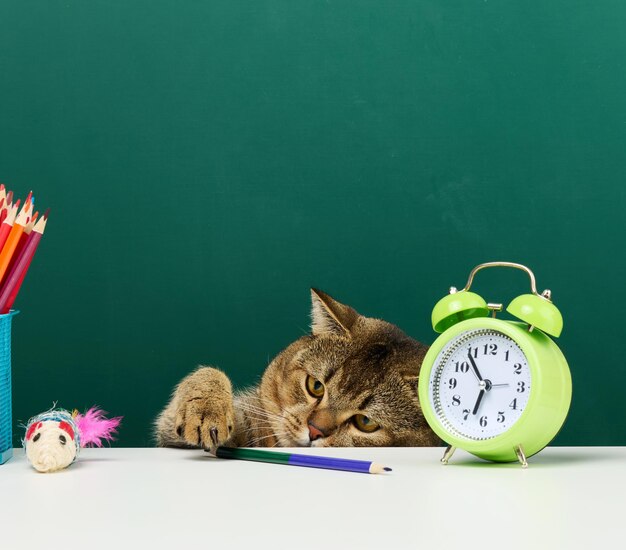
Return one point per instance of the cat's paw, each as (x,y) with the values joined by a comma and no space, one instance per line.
(205,416)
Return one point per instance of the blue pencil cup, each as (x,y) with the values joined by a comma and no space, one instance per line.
(6,418)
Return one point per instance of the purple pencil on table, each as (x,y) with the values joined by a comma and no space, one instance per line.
(308,461)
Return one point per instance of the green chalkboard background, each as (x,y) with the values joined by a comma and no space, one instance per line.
(207,162)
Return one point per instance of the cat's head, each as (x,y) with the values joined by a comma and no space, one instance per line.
(352,382)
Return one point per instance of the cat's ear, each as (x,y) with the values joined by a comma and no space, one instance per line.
(329,316)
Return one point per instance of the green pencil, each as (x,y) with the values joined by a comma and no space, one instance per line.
(293,459)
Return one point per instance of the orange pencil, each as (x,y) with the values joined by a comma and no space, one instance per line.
(23,239)
(13,239)
(16,276)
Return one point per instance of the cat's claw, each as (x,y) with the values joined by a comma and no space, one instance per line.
(213,433)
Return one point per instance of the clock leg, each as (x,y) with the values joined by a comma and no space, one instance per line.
(519,451)
(447,454)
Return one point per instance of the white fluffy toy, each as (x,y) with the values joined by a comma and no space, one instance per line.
(54,438)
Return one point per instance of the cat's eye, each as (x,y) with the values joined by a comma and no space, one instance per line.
(364,423)
(62,439)
(314,387)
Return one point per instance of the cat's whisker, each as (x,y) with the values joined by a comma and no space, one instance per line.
(258,428)
(260,413)
(286,443)
(293,416)
(255,414)
(254,408)
(248,405)
(258,407)
(295,427)
(262,421)
(258,418)
(257,440)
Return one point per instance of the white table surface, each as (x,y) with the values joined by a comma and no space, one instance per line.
(569,497)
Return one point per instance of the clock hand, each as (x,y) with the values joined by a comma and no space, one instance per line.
(498,385)
(474,367)
(480,398)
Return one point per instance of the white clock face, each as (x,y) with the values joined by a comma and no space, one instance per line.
(480,384)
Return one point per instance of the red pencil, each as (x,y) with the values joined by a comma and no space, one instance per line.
(6,207)
(16,276)
(7,224)
(23,240)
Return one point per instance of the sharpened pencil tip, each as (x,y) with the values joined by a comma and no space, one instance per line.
(387,469)
(45,216)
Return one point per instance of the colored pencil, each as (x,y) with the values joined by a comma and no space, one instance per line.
(7,207)
(308,461)
(13,239)
(17,274)
(17,287)
(3,202)
(7,225)
(23,240)
(20,234)
(28,203)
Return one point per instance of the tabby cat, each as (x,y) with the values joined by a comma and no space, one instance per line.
(351,382)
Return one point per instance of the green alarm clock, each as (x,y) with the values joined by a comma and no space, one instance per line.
(499,389)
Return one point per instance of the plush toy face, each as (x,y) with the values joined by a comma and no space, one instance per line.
(50,445)
(53,438)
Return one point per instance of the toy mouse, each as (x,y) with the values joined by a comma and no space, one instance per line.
(54,438)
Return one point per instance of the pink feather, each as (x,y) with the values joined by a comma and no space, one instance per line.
(95,427)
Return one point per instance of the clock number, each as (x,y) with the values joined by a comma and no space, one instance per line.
(517,368)
(456,400)
(521,387)
(452,383)
(513,404)
(461,367)
(506,355)
(483,421)
(500,417)
(490,349)
(465,413)
(474,351)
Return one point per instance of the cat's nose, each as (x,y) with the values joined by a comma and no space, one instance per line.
(314,432)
